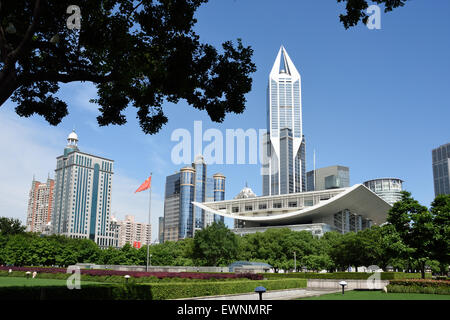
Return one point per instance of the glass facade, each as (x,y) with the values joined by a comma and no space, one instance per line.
(172,207)
(387,189)
(219,193)
(187,193)
(441,169)
(200,191)
(181,217)
(331,177)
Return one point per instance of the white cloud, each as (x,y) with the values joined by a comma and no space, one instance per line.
(26,151)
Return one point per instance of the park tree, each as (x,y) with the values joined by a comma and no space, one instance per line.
(440,211)
(317,262)
(272,246)
(139,53)
(169,253)
(414,224)
(347,251)
(215,245)
(11,226)
(356,10)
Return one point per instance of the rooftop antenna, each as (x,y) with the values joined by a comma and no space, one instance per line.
(314,164)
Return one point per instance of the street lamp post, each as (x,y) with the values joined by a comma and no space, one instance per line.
(343,284)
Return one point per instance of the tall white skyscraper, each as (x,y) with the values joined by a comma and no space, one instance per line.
(285,169)
(82,195)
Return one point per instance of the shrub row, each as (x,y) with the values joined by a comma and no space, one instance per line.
(138,274)
(419,286)
(341,275)
(422,283)
(164,291)
(157,291)
(417,289)
(87,292)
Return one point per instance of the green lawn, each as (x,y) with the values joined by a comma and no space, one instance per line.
(19,281)
(378,295)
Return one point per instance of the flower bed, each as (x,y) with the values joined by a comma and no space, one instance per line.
(138,274)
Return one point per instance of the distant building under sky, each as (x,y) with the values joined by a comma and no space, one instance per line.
(40,202)
(137,234)
(387,189)
(331,177)
(82,196)
(441,169)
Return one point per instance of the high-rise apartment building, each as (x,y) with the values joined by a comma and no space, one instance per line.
(284,170)
(331,177)
(40,202)
(441,169)
(137,234)
(82,195)
(181,218)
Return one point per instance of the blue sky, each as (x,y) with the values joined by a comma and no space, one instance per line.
(376,101)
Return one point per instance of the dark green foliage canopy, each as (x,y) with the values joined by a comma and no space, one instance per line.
(356,10)
(215,245)
(423,232)
(11,226)
(137,53)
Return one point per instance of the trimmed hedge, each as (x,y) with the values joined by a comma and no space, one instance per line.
(419,286)
(164,291)
(156,291)
(341,275)
(87,292)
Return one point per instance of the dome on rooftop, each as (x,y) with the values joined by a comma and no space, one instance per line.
(72,136)
(246,193)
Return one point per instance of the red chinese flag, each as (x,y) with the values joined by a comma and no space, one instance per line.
(137,244)
(145,185)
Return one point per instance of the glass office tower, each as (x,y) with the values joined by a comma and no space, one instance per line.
(284,169)
(219,192)
(181,218)
(172,207)
(441,169)
(200,190)
(187,193)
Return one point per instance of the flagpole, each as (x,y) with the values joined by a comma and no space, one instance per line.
(149,219)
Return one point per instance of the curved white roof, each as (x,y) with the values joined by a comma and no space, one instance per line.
(357,199)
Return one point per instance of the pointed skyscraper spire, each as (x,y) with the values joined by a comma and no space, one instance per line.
(284,67)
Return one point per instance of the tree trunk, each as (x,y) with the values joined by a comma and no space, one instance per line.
(8,86)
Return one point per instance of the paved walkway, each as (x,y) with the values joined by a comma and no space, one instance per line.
(271,295)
